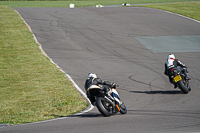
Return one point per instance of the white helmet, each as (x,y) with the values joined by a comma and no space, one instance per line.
(92,75)
(170,56)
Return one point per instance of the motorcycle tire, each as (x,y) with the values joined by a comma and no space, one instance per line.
(103,109)
(123,109)
(183,88)
(189,88)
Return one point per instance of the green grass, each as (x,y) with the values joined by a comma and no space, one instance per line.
(31,87)
(78,3)
(189,9)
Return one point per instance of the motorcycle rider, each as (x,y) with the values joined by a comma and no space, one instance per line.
(171,63)
(94,80)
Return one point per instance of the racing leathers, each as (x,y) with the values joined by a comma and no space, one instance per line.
(173,63)
(97,81)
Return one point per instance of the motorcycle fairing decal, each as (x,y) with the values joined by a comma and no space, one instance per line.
(118,107)
(115,93)
(172,70)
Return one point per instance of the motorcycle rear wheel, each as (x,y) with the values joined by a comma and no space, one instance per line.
(183,88)
(101,104)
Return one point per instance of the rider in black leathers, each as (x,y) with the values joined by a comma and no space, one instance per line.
(93,80)
(172,63)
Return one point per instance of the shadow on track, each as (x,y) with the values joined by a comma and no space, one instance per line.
(89,115)
(158,92)
(93,115)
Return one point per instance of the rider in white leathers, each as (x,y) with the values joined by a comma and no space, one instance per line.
(171,63)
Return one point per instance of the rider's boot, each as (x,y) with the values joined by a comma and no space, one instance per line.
(188,78)
(175,86)
(94,103)
(186,74)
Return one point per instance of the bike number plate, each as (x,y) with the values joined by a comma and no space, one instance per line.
(177,78)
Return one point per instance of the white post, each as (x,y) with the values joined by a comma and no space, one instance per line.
(71,5)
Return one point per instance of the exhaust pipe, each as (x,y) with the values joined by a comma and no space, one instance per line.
(110,101)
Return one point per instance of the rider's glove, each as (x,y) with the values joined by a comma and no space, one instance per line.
(184,66)
(113,85)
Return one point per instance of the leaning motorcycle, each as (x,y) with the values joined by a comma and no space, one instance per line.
(180,79)
(107,104)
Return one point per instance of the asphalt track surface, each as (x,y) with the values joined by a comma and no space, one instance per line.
(110,42)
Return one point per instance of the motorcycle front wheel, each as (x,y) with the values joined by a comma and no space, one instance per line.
(103,107)
(123,109)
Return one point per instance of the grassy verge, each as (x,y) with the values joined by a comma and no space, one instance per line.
(31,87)
(189,9)
(79,3)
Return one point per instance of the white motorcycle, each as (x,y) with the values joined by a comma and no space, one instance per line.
(107,104)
